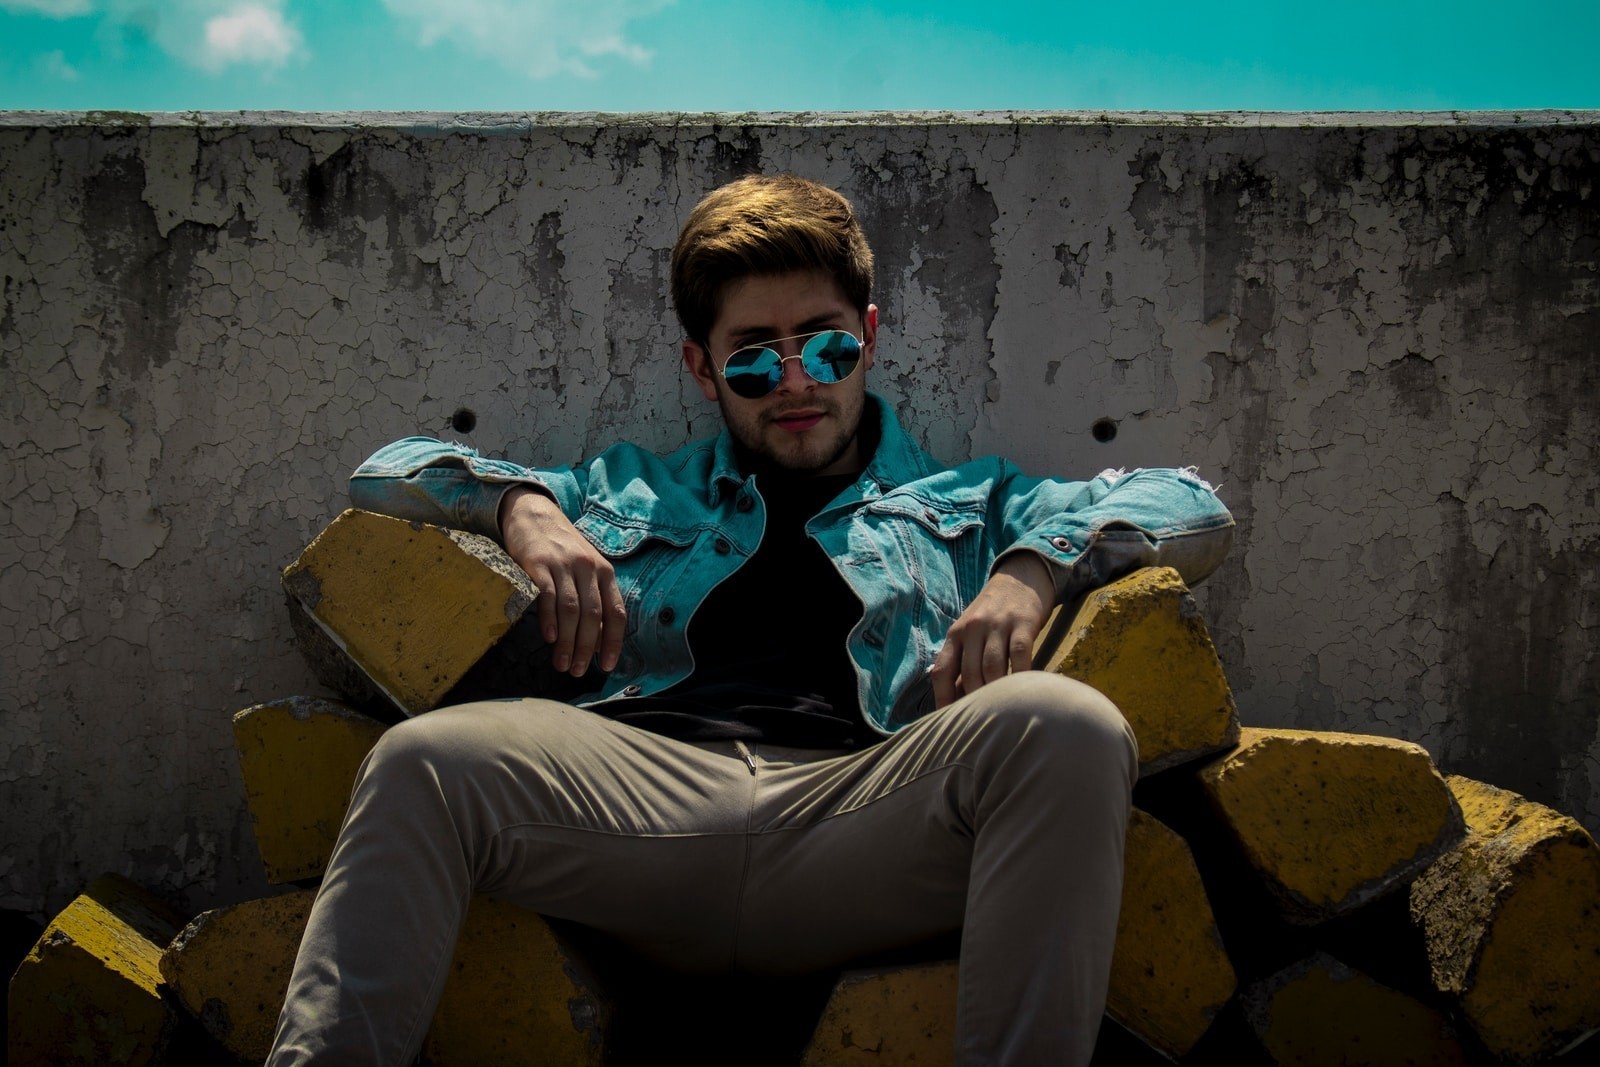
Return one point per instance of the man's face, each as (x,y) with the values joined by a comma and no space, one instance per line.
(802,425)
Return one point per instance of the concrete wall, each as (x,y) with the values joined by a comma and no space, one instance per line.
(1377,333)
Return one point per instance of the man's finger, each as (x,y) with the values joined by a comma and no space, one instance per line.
(591,617)
(568,608)
(545,602)
(943,673)
(614,623)
(1022,649)
(972,676)
(996,658)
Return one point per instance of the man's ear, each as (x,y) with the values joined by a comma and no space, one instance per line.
(869,335)
(698,360)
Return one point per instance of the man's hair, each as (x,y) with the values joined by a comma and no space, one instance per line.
(765,225)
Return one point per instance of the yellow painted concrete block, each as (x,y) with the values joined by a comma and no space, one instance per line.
(1170,974)
(1331,821)
(516,994)
(1512,922)
(1140,641)
(888,1017)
(1321,1012)
(299,759)
(88,991)
(412,606)
(230,968)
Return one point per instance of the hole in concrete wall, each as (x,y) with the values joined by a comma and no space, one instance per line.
(1104,429)
(463,420)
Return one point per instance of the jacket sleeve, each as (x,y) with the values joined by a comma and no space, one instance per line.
(423,480)
(1091,533)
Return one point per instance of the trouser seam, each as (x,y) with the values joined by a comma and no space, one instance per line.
(744,872)
(417,1033)
(616,833)
(880,798)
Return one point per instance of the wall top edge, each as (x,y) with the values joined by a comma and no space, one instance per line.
(485,122)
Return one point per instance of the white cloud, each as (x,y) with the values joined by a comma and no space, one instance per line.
(55,65)
(536,37)
(56,9)
(211,34)
(250,33)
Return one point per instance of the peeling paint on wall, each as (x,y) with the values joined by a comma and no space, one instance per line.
(1378,338)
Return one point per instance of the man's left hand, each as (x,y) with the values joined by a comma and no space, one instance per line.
(995,635)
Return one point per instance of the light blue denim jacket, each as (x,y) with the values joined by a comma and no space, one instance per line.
(914,540)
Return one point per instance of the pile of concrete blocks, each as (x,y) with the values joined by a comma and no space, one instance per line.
(1289,896)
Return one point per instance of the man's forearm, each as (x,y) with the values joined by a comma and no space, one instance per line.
(422,480)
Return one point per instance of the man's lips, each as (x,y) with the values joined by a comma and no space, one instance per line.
(798,421)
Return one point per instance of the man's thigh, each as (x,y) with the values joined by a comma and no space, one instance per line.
(873,851)
(575,816)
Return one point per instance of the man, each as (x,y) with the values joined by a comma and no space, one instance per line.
(811,734)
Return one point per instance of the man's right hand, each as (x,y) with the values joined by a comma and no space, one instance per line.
(580,606)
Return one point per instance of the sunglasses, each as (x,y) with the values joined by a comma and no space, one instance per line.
(828,357)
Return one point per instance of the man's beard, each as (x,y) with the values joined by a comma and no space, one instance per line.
(756,454)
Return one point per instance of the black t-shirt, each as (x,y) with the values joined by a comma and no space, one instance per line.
(770,662)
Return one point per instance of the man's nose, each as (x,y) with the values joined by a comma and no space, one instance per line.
(794,379)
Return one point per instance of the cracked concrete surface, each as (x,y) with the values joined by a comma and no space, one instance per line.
(1376,333)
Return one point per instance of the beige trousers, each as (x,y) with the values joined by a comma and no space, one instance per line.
(1002,816)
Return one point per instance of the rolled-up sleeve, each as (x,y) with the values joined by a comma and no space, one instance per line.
(1090,533)
(420,479)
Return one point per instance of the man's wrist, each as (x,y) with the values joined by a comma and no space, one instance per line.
(513,497)
(1033,570)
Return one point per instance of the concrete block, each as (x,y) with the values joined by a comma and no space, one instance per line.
(411,607)
(1511,918)
(299,759)
(515,994)
(1140,641)
(1331,821)
(1319,1011)
(230,968)
(1170,974)
(888,1017)
(88,992)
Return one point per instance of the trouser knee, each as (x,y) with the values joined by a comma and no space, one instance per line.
(1053,718)
(466,751)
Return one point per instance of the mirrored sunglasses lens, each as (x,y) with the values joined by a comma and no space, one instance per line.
(753,372)
(831,357)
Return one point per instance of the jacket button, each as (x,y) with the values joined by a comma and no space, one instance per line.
(632,691)
(722,546)
(1062,543)
(666,616)
(745,503)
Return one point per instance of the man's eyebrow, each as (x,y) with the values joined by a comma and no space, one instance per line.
(815,324)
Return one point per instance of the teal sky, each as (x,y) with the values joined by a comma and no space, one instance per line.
(738,55)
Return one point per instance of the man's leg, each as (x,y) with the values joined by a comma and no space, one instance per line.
(1005,812)
(535,802)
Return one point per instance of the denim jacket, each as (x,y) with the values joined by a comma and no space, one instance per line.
(914,539)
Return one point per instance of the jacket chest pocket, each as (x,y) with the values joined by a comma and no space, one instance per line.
(637,556)
(941,552)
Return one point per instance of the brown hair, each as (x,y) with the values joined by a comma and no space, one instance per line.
(765,225)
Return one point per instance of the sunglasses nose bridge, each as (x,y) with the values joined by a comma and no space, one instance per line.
(792,372)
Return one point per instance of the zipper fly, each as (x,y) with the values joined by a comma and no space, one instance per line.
(744,753)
